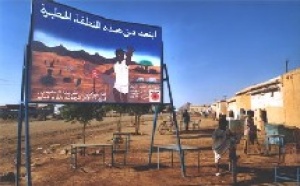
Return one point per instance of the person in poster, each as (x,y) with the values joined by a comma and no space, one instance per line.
(121,70)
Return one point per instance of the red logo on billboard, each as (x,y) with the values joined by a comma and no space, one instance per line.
(154,95)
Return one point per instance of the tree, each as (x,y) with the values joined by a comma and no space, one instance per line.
(138,111)
(146,64)
(82,113)
(160,108)
(119,109)
(169,108)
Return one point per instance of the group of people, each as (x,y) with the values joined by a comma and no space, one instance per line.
(224,140)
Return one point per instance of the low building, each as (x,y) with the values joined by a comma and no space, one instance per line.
(291,97)
(221,108)
(232,109)
(275,101)
(199,108)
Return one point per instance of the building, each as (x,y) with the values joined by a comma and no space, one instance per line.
(221,108)
(199,108)
(232,109)
(291,97)
(276,101)
(11,111)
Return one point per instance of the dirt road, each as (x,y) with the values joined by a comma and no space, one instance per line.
(51,166)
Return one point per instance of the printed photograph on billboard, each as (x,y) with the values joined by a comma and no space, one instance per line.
(80,57)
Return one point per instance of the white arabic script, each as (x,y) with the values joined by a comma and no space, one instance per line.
(84,20)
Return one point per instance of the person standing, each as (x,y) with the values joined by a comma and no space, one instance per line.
(121,86)
(250,134)
(121,70)
(186,119)
(223,141)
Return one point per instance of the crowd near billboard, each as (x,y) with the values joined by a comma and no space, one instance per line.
(80,57)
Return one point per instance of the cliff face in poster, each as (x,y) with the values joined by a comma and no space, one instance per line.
(60,75)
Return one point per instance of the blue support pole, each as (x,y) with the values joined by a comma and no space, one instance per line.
(20,122)
(27,134)
(175,122)
(19,143)
(153,133)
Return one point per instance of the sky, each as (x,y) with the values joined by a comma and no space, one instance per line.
(212,49)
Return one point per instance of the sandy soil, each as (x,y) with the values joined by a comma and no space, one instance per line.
(51,166)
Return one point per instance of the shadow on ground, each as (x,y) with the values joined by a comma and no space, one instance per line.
(152,166)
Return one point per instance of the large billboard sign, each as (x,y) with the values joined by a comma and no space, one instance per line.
(81,57)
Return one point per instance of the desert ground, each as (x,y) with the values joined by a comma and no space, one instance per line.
(50,156)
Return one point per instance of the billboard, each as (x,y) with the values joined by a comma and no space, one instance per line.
(80,57)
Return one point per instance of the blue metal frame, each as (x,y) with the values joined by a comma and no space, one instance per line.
(20,122)
(181,154)
(26,118)
(153,133)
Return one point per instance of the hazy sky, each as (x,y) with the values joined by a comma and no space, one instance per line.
(212,49)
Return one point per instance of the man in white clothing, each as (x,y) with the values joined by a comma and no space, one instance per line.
(122,80)
(121,69)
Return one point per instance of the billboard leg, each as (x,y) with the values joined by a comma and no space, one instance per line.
(27,135)
(152,135)
(20,122)
(181,155)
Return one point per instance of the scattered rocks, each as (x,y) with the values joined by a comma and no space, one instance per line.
(34,165)
(87,170)
(47,151)
(53,147)
(64,151)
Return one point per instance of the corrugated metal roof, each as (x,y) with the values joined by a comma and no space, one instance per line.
(263,85)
